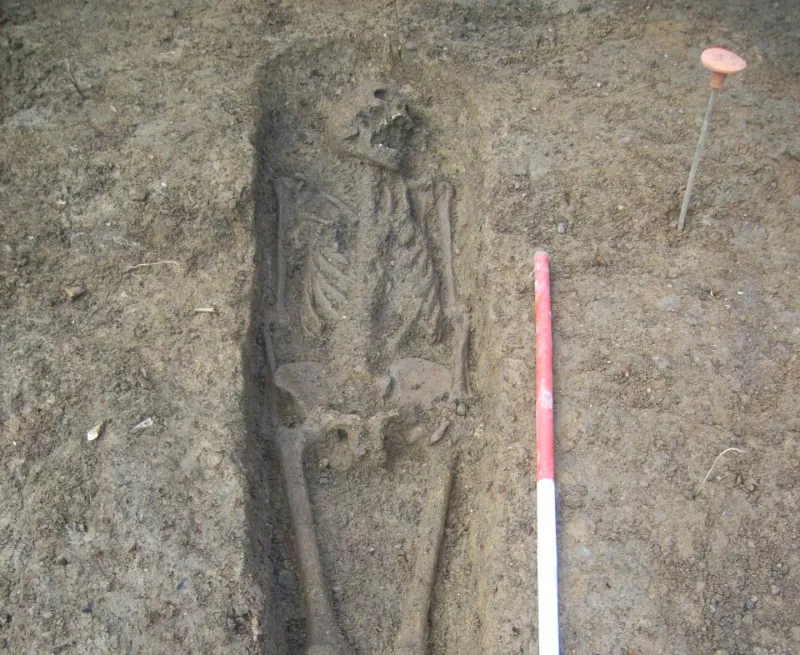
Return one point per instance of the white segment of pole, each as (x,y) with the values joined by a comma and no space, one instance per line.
(547,566)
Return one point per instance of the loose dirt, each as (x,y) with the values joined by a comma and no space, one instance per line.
(225,218)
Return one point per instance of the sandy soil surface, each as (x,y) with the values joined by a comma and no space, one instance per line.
(223,239)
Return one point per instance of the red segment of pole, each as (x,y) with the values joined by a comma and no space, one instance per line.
(545,465)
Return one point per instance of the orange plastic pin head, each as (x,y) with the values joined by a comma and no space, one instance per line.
(722,63)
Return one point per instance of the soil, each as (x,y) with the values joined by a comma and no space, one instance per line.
(143,150)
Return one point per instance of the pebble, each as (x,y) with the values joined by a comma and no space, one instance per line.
(439,433)
(74,292)
(96,431)
(138,194)
(562,228)
(324,463)
(143,425)
(461,409)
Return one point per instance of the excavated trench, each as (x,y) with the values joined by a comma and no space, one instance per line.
(365,349)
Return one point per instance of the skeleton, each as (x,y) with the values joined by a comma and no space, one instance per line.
(344,276)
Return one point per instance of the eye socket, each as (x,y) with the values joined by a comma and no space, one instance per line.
(380,94)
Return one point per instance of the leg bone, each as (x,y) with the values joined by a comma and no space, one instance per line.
(324,635)
(457,313)
(444,206)
(412,638)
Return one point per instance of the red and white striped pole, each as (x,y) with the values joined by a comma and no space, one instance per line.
(546,554)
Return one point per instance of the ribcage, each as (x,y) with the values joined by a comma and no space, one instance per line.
(413,285)
(324,289)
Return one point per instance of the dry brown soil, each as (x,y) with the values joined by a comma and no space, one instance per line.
(153,132)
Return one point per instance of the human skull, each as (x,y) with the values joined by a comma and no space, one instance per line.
(373,126)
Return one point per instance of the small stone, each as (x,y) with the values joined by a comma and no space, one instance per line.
(324,463)
(143,425)
(74,292)
(562,228)
(439,433)
(461,409)
(138,194)
(775,590)
(96,431)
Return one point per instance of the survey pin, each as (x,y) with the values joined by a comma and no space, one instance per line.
(721,63)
